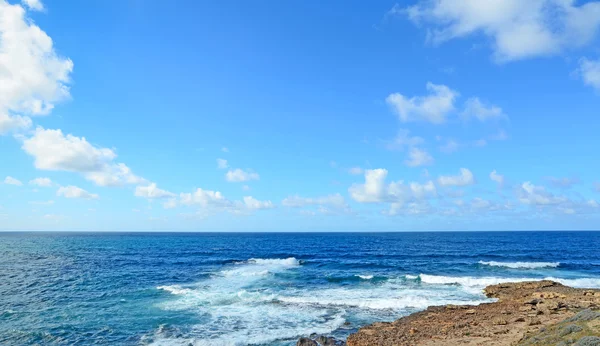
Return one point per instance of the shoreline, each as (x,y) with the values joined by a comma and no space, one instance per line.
(526,313)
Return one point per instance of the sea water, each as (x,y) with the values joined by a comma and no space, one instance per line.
(259,288)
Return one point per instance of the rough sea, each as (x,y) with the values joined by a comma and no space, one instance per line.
(259,288)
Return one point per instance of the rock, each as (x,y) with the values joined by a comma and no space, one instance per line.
(588,341)
(500,322)
(306,342)
(520,319)
(534,321)
(533,302)
(470,312)
(327,341)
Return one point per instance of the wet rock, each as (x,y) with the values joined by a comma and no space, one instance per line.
(306,342)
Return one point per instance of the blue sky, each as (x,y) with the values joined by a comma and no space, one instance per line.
(299,115)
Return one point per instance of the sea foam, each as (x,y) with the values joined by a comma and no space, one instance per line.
(521,265)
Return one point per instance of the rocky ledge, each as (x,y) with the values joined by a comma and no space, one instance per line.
(526,313)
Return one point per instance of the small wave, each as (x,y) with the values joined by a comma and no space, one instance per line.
(364,277)
(288,262)
(521,265)
(411,277)
(175,289)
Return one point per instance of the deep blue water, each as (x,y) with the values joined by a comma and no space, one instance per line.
(259,289)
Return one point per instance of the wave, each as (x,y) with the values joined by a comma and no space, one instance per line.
(364,277)
(476,284)
(521,265)
(286,262)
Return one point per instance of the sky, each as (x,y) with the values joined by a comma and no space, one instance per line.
(299,115)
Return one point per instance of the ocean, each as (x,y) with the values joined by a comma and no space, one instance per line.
(259,288)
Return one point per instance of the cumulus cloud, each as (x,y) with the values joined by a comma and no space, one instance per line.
(376,190)
(450,146)
(518,29)
(537,195)
(54,151)
(498,178)
(433,108)
(589,70)
(474,108)
(222,164)
(238,175)
(12,181)
(418,157)
(463,179)
(204,198)
(33,78)
(75,192)
(152,192)
(41,182)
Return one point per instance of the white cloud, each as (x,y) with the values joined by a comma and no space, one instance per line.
(204,198)
(12,181)
(238,175)
(54,151)
(152,192)
(32,76)
(589,70)
(225,149)
(34,5)
(418,157)
(374,188)
(474,108)
(253,204)
(537,195)
(404,140)
(42,182)
(75,192)
(463,179)
(222,164)
(433,108)
(356,171)
(498,178)
(115,175)
(519,29)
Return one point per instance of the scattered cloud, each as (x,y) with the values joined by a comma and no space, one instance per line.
(404,140)
(335,200)
(204,198)
(33,76)
(253,204)
(41,182)
(433,108)
(537,195)
(225,149)
(222,164)
(463,179)
(498,178)
(418,157)
(518,29)
(589,70)
(450,146)
(75,192)
(474,108)
(34,5)
(152,192)
(12,181)
(237,175)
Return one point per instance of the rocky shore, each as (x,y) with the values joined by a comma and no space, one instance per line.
(526,313)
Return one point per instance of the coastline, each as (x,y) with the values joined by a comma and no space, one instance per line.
(526,313)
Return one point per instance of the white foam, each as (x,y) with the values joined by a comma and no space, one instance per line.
(286,262)
(476,284)
(174,289)
(521,265)
(365,277)
(411,277)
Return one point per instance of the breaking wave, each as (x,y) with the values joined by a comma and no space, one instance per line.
(521,265)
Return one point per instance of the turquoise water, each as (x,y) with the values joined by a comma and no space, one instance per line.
(258,289)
